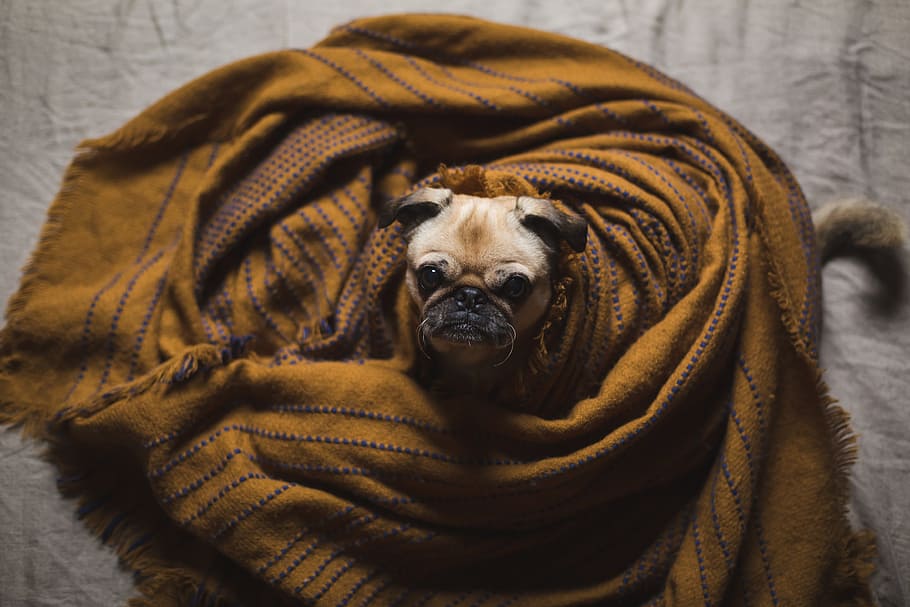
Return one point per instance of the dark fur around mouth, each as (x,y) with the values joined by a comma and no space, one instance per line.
(486,326)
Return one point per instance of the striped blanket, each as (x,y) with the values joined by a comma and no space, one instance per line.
(217,345)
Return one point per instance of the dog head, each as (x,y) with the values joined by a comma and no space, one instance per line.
(480,269)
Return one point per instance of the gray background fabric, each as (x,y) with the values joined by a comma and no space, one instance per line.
(825,83)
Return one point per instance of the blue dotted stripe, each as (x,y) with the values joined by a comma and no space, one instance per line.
(612,115)
(399,600)
(426,598)
(111,343)
(362,211)
(376,278)
(314,230)
(290,291)
(762,542)
(766,561)
(225,308)
(702,570)
(356,81)
(143,327)
(290,355)
(483,598)
(482,100)
(198,483)
(275,298)
(257,304)
(355,224)
(808,315)
(222,493)
(399,81)
(458,600)
(298,537)
(756,396)
(346,599)
(693,151)
(168,196)
(653,108)
(535,99)
(87,332)
(715,522)
(659,238)
(375,593)
(304,270)
(305,264)
(252,509)
(734,492)
(593,278)
(359,542)
(746,443)
(327,586)
(700,193)
(218,312)
(311,548)
(350,314)
(453,60)
(208,318)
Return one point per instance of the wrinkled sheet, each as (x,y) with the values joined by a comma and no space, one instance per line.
(827,84)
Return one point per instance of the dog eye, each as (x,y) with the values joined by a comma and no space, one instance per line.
(429,278)
(516,287)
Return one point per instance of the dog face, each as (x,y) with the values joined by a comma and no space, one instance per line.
(480,269)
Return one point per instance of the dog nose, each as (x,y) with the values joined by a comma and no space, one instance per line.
(469,298)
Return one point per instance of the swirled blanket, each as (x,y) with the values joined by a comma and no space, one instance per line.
(216,342)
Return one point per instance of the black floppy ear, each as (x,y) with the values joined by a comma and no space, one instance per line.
(415,208)
(544,219)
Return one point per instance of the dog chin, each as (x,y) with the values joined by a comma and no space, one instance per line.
(469,343)
(465,354)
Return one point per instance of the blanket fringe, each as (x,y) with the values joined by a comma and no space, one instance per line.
(197,360)
(850,579)
(858,553)
(138,135)
(135,540)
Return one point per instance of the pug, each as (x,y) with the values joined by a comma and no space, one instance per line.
(480,272)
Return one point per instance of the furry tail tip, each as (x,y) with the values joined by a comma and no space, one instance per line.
(854,225)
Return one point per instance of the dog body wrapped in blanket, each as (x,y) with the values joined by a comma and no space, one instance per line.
(222,353)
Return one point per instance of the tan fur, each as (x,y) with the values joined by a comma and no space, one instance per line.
(846,226)
(480,242)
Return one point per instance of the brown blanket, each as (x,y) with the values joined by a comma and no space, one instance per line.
(217,344)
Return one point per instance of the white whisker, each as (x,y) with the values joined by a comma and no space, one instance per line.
(421,337)
(513,335)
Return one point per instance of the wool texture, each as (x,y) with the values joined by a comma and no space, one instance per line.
(216,342)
